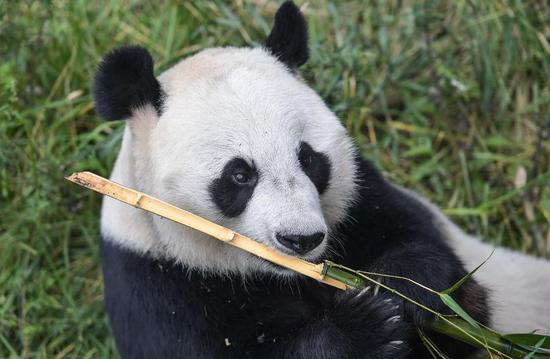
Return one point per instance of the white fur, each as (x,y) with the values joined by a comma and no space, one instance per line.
(519,285)
(220,104)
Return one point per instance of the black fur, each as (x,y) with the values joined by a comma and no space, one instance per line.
(315,165)
(288,38)
(160,309)
(231,197)
(124,81)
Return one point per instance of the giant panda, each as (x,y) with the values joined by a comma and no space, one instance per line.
(236,136)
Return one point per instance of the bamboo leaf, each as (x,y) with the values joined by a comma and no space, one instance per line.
(528,339)
(535,343)
(466,277)
(494,342)
(451,303)
(535,349)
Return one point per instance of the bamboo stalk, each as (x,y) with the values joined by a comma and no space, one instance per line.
(328,273)
(166,210)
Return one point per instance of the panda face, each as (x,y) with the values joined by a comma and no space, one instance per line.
(244,142)
(233,135)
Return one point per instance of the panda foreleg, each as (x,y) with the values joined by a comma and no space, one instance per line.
(433,265)
(356,325)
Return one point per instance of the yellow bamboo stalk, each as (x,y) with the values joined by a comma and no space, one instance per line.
(166,210)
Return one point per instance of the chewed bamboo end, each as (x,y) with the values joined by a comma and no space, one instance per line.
(319,268)
(89,180)
(80,178)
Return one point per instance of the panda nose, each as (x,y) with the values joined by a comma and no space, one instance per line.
(299,243)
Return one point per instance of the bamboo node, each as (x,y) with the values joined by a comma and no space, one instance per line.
(326,265)
(137,203)
(230,236)
(322,269)
(318,268)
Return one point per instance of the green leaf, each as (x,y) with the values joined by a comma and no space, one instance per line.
(451,303)
(528,339)
(535,349)
(466,277)
(535,343)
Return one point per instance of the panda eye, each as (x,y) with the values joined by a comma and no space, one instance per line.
(240,178)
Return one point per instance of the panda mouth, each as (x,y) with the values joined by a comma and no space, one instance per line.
(315,258)
(276,269)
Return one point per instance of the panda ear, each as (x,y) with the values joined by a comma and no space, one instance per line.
(288,38)
(124,81)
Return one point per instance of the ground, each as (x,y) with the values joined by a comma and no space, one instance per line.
(450,99)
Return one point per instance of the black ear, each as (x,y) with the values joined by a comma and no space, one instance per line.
(288,38)
(124,80)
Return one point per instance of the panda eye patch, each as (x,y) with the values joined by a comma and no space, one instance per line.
(316,166)
(306,160)
(232,190)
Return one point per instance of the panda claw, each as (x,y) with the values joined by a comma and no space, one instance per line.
(394,319)
(363,291)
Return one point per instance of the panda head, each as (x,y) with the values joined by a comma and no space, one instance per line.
(236,136)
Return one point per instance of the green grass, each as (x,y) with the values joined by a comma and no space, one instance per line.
(450,99)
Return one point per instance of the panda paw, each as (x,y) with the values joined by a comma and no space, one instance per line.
(374,323)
